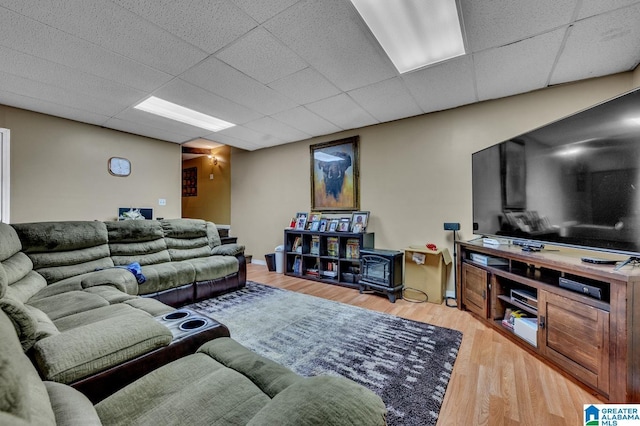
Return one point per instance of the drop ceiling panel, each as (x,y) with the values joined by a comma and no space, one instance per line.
(342,111)
(305,86)
(263,10)
(235,142)
(146,130)
(256,138)
(306,121)
(34,38)
(146,119)
(209,25)
(259,55)
(386,101)
(219,78)
(443,86)
(331,36)
(600,45)
(115,29)
(51,108)
(497,23)
(523,66)
(278,129)
(596,7)
(186,94)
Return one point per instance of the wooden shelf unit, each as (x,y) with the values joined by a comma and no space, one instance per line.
(339,260)
(595,341)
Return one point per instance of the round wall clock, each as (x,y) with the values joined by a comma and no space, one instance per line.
(119,166)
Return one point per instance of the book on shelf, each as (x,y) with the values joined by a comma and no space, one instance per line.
(315,245)
(297,265)
(297,245)
(353,248)
(333,246)
(331,270)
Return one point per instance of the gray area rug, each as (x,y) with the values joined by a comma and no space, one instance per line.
(407,363)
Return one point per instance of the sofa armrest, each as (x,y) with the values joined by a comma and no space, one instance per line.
(119,278)
(228,250)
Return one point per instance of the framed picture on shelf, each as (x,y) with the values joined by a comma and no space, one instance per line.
(343,225)
(359,221)
(324,223)
(333,225)
(301,220)
(335,175)
(315,226)
(315,216)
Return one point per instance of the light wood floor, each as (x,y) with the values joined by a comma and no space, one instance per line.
(494,381)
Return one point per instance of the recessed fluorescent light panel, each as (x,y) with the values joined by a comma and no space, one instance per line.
(414,33)
(176,112)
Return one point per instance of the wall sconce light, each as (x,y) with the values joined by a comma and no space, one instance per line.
(213,161)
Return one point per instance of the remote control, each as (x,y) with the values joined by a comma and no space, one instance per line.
(599,260)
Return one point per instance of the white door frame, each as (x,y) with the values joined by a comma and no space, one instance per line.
(4,175)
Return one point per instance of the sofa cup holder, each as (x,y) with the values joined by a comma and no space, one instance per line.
(192,324)
(176,315)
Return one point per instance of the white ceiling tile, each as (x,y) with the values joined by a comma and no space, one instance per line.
(331,36)
(115,29)
(260,56)
(523,66)
(600,45)
(342,111)
(595,7)
(271,126)
(34,38)
(146,119)
(305,86)
(46,107)
(210,25)
(306,121)
(145,130)
(260,139)
(263,10)
(387,100)
(443,86)
(232,141)
(183,93)
(500,22)
(219,78)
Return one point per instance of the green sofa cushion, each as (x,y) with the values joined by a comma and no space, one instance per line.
(60,272)
(24,324)
(228,250)
(323,400)
(133,231)
(151,306)
(70,407)
(110,294)
(4,281)
(213,267)
(94,347)
(94,315)
(17,267)
(10,241)
(119,278)
(184,228)
(194,390)
(213,235)
(69,303)
(164,276)
(32,284)
(23,396)
(60,236)
(269,376)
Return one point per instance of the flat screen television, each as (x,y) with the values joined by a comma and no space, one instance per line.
(573,182)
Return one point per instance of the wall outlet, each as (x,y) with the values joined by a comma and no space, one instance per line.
(162,202)
(211,176)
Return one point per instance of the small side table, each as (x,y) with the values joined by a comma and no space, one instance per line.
(426,270)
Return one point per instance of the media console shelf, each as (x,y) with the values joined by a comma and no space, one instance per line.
(589,327)
(330,257)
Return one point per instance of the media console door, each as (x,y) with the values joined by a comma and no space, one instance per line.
(576,337)
(475,289)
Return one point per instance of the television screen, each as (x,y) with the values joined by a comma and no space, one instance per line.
(575,181)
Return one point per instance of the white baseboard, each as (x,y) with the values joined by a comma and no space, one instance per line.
(259,262)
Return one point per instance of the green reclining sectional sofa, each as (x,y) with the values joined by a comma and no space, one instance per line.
(80,313)
(222,384)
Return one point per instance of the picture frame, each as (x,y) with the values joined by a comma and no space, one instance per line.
(315,226)
(335,175)
(333,225)
(301,220)
(359,221)
(324,223)
(343,225)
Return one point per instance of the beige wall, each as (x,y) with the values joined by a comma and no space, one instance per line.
(415,173)
(59,170)
(213,201)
